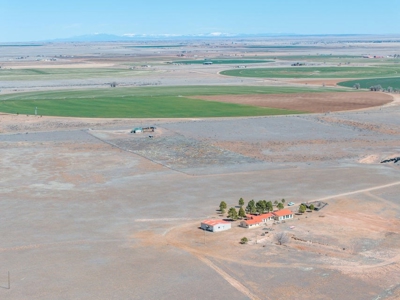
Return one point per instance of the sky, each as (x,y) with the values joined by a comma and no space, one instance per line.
(28,20)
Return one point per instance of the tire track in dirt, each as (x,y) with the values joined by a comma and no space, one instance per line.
(358,191)
(236,284)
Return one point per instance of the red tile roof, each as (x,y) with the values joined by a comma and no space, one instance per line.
(259,217)
(283,212)
(214,222)
(251,222)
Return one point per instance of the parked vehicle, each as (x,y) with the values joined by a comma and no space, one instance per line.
(290,204)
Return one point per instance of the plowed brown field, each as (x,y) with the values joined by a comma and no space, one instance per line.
(308,102)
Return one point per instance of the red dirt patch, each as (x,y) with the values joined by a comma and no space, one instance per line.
(308,102)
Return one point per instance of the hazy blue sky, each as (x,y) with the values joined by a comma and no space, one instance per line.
(27,20)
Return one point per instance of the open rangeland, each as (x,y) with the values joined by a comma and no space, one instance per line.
(92,211)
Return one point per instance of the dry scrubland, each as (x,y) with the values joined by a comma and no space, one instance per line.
(90,211)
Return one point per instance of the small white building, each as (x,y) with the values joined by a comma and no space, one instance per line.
(215,225)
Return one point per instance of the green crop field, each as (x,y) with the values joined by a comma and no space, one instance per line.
(144,102)
(317,72)
(394,82)
(66,73)
(155,46)
(223,61)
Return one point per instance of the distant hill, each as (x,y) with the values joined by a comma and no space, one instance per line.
(103,37)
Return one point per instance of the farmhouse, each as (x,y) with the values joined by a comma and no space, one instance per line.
(215,225)
(256,220)
(283,214)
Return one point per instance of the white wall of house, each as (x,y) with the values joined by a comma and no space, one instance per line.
(287,217)
(243,224)
(216,227)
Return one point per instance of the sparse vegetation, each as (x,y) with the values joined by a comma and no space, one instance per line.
(244,240)
(282,238)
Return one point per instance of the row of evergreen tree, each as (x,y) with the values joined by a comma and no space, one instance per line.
(259,207)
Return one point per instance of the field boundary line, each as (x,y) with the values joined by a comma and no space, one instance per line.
(130,151)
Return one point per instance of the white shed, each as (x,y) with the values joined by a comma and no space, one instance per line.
(215,225)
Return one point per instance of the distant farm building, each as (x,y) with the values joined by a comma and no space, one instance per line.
(298,64)
(215,225)
(137,130)
(143,129)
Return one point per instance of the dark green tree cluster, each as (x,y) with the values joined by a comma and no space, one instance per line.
(302,209)
(261,206)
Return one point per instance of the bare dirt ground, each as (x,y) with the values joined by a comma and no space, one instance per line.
(318,82)
(90,211)
(312,102)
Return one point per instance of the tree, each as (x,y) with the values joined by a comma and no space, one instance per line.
(241,213)
(222,211)
(241,202)
(376,88)
(244,240)
(280,205)
(283,201)
(390,89)
(302,209)
(357,86)
(261,207)
(282,238)
(270,207)
(276,202)
(251,206)
(222,205)
(232,213)
(312,207)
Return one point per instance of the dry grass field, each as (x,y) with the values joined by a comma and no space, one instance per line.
(91,211)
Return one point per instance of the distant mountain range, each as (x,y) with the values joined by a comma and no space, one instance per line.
(102,37)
